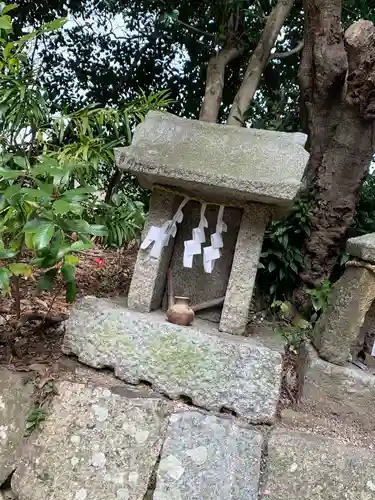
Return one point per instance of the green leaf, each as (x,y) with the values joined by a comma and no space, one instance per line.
(36,194)
(302,323)
(78,194)
(8,8)
(71,291)
(5,22)
(12,191)
(43,235)
(80,245)
(6,173)
(4,279)
(71,260)
(271,266)
(54,25)
(69,272)
(7,254)
(20,269)
(45,283)
(21,161)
(62,207)
(98,230)
(78,226)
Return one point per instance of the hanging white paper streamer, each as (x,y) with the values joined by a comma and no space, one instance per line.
(221,227)
(198,232)
(210,254)
(217,237)
(191,248)
(159,237)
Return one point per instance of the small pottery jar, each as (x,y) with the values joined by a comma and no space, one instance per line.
(180,313)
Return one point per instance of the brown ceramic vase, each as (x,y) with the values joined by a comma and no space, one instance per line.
(180,313)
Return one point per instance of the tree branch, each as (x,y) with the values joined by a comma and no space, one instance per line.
(197,30)
(258,61)
(283,55)
(215,82)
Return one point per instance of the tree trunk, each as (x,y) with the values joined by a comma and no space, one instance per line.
(258,62)
(337,80)
(215,83)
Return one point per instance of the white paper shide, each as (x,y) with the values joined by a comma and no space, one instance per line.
(158,237)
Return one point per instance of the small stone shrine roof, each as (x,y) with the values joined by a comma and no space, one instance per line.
(229,163)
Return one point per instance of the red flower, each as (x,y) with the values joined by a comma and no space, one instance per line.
(100,262)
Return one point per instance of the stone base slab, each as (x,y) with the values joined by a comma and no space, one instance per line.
(215,371)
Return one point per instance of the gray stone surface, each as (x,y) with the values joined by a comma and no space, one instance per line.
(237,302)
(362,247)
(305,466)
(216,161)
(194,282)
(149,277)
(337,329)
(345,391)
(215,371)
(210,458)
(94,445)
(16,400)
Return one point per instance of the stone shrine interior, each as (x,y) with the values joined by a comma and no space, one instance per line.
(194,282)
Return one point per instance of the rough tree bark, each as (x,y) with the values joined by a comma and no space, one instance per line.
(258,62)
(337,80)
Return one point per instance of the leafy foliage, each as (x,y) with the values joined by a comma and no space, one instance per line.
(123,219)
(50,168)
(365,216)
(293,328)
(34,418)
(281,259)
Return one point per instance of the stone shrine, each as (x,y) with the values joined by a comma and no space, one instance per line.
(235,177)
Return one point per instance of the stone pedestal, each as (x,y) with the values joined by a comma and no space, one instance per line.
(344,391)
(338,327)
(149,277)
(237,302)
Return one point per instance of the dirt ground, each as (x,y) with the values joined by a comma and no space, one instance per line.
(36,338)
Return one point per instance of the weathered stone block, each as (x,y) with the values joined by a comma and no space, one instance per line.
(215,371)
(339,326)
(215,162)
(149,277)
(93,445)
(362,247)
(308,466)
(237,302)
(16,400)
(346,391)
(210,458)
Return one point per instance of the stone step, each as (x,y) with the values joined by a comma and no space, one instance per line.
(206,457)
(313,467)
(100,445)
(215,370)
(94,445)
(16,401)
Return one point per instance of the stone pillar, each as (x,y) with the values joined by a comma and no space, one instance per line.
(239,292)
(338,327)
(149,277)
